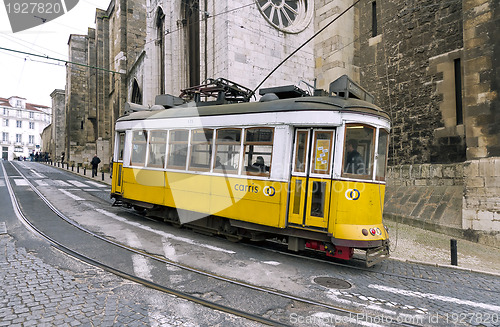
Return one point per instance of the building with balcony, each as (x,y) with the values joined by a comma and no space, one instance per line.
(21,125)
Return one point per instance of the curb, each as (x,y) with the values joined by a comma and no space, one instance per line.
(439,265)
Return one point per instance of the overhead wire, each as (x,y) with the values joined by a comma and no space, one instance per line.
(61,60)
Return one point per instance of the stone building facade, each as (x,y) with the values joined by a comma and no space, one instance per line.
(433,66)
(58,129)
(96,84)
(189,41)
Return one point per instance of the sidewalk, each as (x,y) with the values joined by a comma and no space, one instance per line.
(412,244)
(87,173)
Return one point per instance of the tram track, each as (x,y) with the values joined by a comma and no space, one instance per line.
(347,314)
(278,247)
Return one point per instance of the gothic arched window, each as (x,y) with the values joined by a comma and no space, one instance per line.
(160,42)
(136,93)
(192,20)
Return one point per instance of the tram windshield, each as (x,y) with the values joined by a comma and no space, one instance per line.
(358,151)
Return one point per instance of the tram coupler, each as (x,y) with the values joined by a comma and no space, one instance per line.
(376,255)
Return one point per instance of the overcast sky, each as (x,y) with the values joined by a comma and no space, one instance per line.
(35,78)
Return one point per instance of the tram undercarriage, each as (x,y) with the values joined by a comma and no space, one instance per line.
(235,231)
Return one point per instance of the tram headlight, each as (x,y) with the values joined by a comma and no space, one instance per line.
(373,231)
(364,231)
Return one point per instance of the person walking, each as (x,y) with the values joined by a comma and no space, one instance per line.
(95,162)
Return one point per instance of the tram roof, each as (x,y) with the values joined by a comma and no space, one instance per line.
(313,103)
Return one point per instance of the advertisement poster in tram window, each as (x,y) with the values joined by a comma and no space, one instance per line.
(322,149)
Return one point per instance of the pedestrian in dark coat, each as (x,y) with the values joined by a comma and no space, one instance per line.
(95,162)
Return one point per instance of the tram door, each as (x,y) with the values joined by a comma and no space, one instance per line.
(311,178)
(118,165)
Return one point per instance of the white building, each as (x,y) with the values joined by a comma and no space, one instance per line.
(21,126)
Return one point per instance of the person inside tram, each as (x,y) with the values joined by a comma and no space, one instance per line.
(218,164)
(258,166)
(354,161)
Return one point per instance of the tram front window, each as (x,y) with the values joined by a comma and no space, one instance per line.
(359,151)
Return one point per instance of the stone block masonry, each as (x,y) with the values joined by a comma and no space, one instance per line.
(481,202)
(461,199)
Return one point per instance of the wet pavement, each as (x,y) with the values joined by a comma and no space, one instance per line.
(41,286)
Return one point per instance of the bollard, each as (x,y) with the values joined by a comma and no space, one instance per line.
(102,175)
(77,169)
(453,248)
(84,170)
(73,168)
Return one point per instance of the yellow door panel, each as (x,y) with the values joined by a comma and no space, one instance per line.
(297,200)
(117,177)
(318,203)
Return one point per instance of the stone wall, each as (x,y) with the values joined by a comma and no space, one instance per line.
(76,95)
(482,77)
(428,195)
(461,199)
(481,203)
(334,48)
(395,66)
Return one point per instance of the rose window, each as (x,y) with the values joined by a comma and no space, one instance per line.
(291,16)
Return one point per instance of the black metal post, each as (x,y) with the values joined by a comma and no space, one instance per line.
(77,169)
(73,167)
(84,170)
(102,175)
(453,248)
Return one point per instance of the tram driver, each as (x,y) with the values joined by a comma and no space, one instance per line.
(353,163)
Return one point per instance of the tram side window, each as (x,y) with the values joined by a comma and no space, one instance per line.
(201,149)
(358,151)
(178,147)
(227,150)
(121,145)
(157,147)
(383,140)
(139,144)
(258,151)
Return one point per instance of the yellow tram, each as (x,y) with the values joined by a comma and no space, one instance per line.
(309,169)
